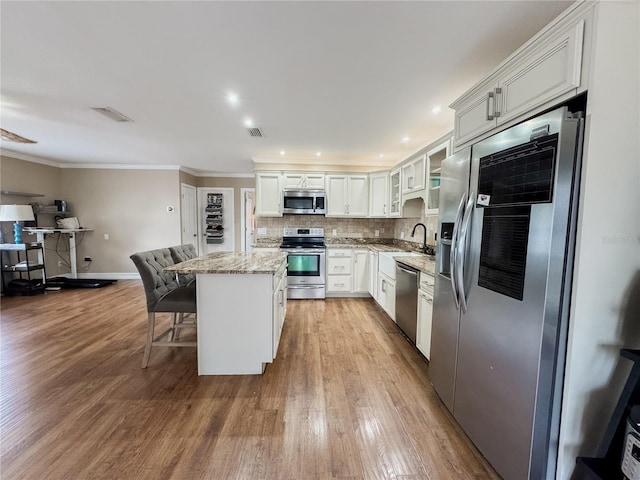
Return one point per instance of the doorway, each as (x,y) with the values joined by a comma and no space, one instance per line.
(248,218)
(188,215)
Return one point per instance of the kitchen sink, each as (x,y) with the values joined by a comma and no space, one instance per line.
(387,262)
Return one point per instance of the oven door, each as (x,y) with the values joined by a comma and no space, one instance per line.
(305,266)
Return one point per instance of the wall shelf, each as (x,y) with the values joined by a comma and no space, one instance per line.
(21,194)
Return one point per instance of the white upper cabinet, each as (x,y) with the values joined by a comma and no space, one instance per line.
(544,72)
(304,180)
(347,195)
(379,194)
(395,201)
(435,156)
(268,194)
(413,177)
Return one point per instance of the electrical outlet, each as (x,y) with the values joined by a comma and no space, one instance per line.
(106,236)
(334,232)
(262,231)
(59,263)
(401,235)
(87,259)
(376,233)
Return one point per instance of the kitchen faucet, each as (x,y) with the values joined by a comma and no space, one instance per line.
(425,248)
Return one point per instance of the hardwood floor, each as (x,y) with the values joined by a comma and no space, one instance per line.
(347,398)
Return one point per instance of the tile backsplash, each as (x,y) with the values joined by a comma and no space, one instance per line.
(353,227)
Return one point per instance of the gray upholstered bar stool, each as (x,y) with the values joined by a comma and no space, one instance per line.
(182,253)
(164,295)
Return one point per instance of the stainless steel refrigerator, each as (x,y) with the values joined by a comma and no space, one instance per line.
(506,231)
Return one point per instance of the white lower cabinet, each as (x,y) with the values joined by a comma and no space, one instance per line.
(373,275)
(279,306)
(347,271)
(339,273)
(360,271)
(387,295)
(425,312)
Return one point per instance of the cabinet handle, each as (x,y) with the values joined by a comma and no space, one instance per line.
(496,110)
(490,99)
(384,290)
(341,267)
(281,294)
(384,209)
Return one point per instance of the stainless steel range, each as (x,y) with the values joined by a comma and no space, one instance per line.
(306,271)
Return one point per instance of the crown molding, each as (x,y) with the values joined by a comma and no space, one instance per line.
(29,158)
(117,166)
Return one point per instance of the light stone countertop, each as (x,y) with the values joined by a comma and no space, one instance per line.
(424,263)
(238,263)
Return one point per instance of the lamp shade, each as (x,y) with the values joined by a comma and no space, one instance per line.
(16,213)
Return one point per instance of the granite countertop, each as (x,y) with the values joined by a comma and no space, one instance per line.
(240,263)
(424,263)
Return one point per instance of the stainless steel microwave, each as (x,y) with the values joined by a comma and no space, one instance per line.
(303,201)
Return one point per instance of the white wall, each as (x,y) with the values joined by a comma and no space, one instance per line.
(608,244)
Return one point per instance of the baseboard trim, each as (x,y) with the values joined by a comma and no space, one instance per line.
(105,276)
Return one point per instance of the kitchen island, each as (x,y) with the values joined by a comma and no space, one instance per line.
(241,301)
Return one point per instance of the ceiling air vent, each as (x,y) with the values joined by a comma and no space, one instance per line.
(8,136)
(112,114)
(255,132)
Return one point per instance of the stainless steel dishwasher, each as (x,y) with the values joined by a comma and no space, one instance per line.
(407,284)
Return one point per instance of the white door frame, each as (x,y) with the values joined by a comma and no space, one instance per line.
(243,217)
(189,216)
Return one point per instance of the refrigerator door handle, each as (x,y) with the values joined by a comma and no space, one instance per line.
(453,256)
(462,252)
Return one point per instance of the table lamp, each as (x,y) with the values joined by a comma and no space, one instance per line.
(16,213)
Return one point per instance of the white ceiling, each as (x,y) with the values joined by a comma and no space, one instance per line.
(349,79)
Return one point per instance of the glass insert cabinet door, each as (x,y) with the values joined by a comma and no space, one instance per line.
(434,162)
(305,264)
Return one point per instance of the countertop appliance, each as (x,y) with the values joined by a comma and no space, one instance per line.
(306,262)
(407,284)
(508,209)
(303,201)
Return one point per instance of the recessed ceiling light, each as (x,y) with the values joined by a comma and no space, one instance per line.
(435,110)
(248,122)
(381,155)
(282,152)
(232,98)
(318,154)
(405,139)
